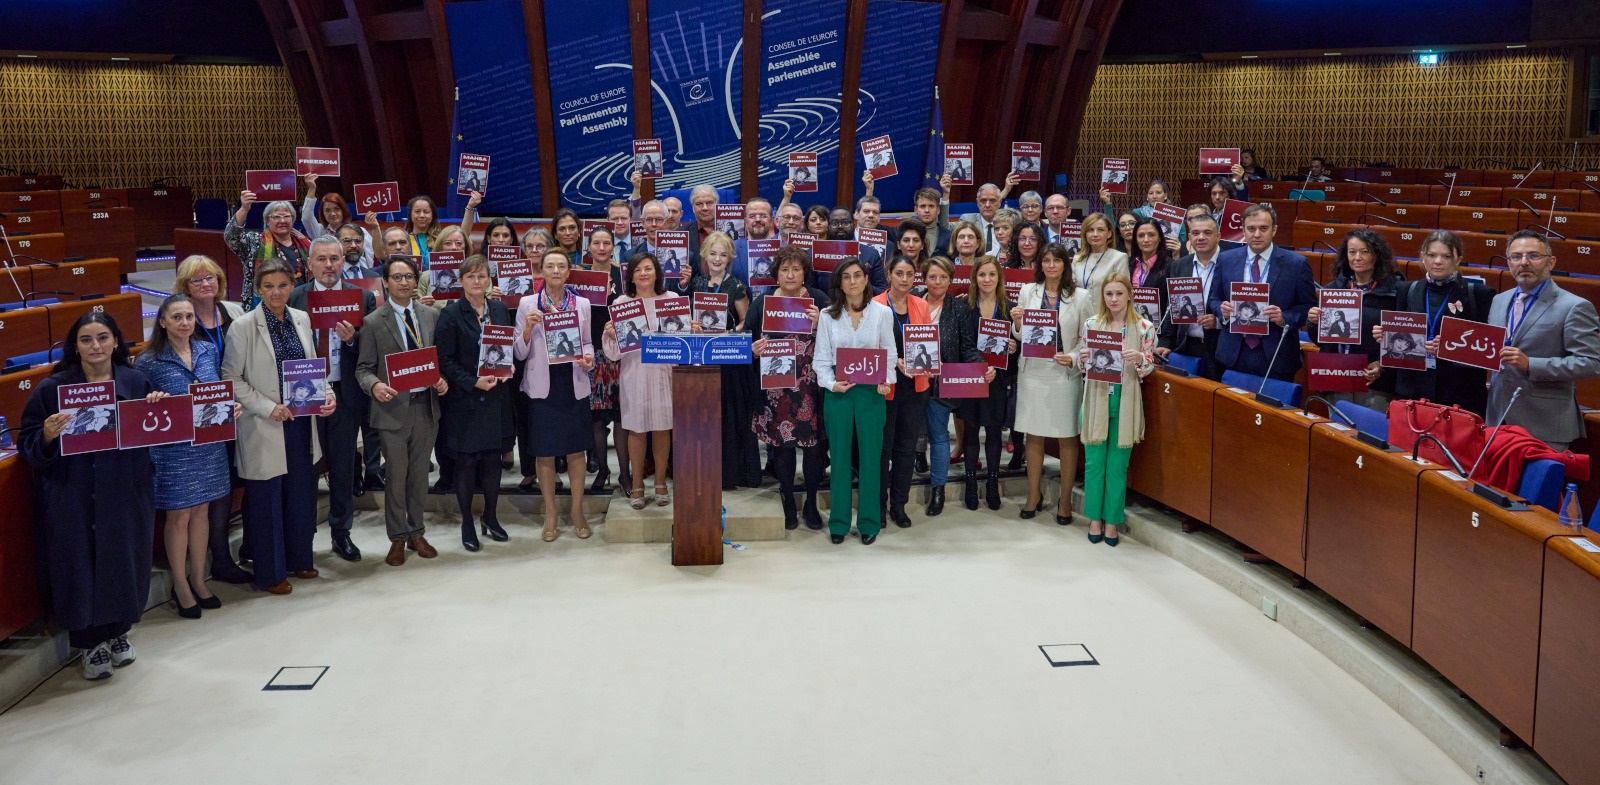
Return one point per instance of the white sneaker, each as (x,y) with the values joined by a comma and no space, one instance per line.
(97,663)
(122,652)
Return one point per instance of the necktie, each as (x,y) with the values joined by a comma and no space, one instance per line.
(1254,341)
(411,331)
(988,241)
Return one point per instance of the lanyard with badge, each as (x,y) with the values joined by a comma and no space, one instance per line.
(1435,318)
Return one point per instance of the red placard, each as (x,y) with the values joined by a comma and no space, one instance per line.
(647,158)
(413,371)
(786,315)
(960,280)
(629,323)
(494,351)
(1471,343)
(758,261)
(1339,320)
(803,240)
(377,198)
(1186,300)
(877,238)
(144,424)
(1404,337)
(672,250)
(862,366)
(994,336)
(1249,308)
(827,254)
(1105,356)
(591,285)
(214,419)
(1147,303)
(563,340)
(320,161)
(1039,328)
(472,174)
(780,364)
(444,274)
(1231,225)
(1114,174)
(1015,280)
(1170,215)
(305,386)
(878,152)
(730,220)
(329,308)
(963,380)
(1218,160)
(1027,159)
(672,315)
(270,184)
(93,427)
(803,172)
(374,285)
(1336,372)
(921,343)
(503,253)
(710,311)
(958,163)
(516,280)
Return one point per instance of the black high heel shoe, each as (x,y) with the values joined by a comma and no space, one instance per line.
(206,603)
(600,478)
(191,612)
(469,537)
(494,531)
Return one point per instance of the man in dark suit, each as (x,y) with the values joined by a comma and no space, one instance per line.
(354,241)
(407,420)
(842,226)
(654,217)
(1290,295)
(1552,341)
(338,431)
(1196,340)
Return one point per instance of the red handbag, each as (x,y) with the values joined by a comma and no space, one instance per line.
(1461,431)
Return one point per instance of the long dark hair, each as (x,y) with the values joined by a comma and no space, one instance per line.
(1383,267)
(158,334)
(1163,253)
(1059,251)
(494,224)
(69,349)
(836,295)
(561,214)
(628,286)
(1014,254)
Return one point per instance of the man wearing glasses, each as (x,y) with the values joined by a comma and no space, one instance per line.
(1552,340)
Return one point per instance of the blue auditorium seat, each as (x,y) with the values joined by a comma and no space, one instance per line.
(1367,421)
(30,360)
(34,303)
(1542,483)
(1194,366)
(1288,392)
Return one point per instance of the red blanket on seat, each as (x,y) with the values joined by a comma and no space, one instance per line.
(1513,448)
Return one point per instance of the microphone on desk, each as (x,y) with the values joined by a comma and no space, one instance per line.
(1361,436)
(29,295)
(1261,396)
(1482,490)
(17,256)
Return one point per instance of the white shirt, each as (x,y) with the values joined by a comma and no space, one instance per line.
(876,332)
(1204,270)
(400,319)
(1266,263)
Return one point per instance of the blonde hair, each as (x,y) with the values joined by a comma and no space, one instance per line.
(196,264)
(999,285)
(437,243)
(1083,229)
(715,239)
(1103,314)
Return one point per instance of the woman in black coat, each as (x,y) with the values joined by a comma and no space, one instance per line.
(477,425)
(95,511)
(1366,264)
(1442,292)
(956,345)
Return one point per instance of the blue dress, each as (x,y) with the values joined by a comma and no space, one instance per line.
(186,475)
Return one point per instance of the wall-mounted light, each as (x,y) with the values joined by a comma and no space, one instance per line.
(1248,57)
(119,58)
(1516,46)
(30,57)
(1428,59)
(1333,54)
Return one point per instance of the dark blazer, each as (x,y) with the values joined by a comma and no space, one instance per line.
(1385,296)
(351,351)
(475,420)
(957,343)
(672,284)
(1176,337)
(380,338)
(1451,384)
(1292,289)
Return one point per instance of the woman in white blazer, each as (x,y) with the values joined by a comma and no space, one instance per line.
(276,450)
(1050,389)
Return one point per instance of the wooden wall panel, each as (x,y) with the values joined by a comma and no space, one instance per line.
(118,125)
(1509,106)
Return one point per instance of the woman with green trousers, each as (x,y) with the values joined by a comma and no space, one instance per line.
(1113,414)
(854,412)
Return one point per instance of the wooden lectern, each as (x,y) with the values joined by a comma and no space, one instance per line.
(697,465)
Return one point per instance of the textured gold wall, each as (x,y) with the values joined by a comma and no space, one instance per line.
(126,124)
(1506,105)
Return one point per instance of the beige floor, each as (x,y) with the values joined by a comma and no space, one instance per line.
(914,660)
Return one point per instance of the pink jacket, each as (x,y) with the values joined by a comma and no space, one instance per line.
(529,346)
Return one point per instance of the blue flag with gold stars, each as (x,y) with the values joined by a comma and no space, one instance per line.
(934,168)
(454,203)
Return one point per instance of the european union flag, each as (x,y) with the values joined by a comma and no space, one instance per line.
(934,168)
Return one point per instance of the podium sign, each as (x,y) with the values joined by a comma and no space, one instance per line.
(724,349)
